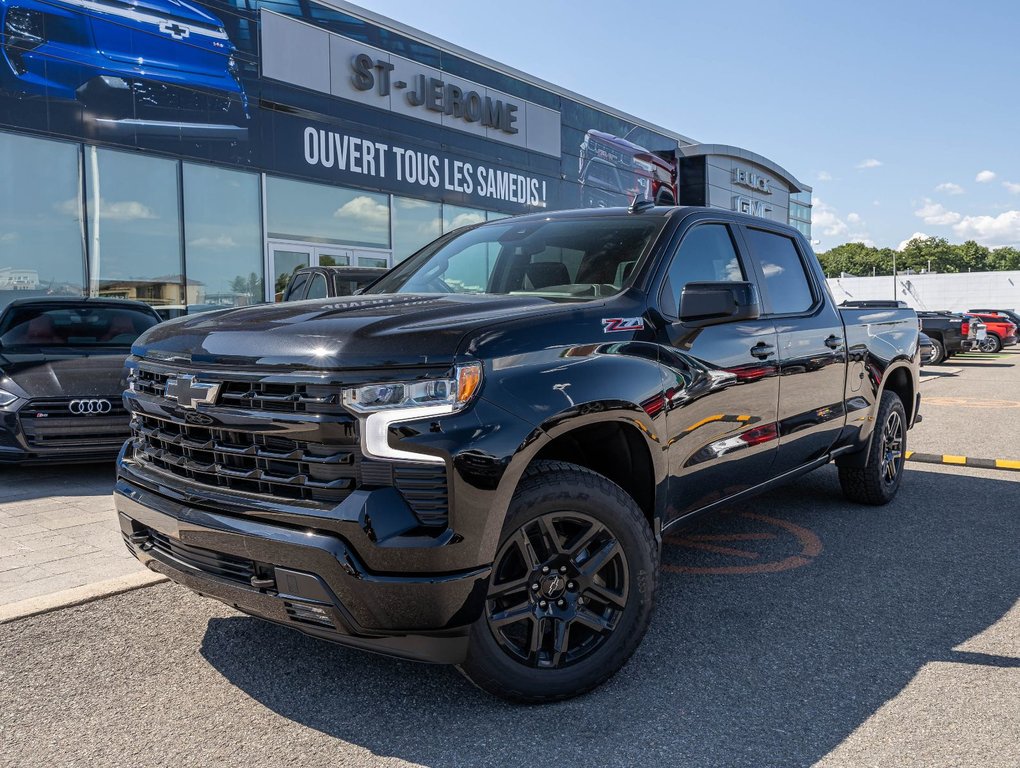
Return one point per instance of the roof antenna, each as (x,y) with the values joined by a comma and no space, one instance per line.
(637,206)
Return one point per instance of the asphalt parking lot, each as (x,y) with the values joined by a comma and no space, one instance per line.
(792,630)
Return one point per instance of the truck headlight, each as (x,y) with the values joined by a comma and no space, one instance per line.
(392,402)
(6,398)
(453,393)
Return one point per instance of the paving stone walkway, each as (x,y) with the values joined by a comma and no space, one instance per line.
(58,530)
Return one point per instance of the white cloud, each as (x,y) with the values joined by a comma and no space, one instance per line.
(825,221)
(365,212)
(869,163)
(1003,229)
(219,243)
(915,236)
(126,210)
(465,219)
(949,188)
(8,237)
(1012,187)
(936,214)
(824,176)
(984,177)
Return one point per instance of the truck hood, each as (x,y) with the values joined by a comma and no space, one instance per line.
(57,375)
(384,330)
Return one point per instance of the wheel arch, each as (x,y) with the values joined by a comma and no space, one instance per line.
(616,440)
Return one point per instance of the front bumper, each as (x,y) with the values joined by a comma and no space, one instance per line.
(312,581)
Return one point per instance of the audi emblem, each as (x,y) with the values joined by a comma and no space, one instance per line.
(90,407)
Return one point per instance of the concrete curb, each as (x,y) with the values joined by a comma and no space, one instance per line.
(36,606)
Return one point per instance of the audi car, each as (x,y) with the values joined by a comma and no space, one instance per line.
(62,377)
(152,67)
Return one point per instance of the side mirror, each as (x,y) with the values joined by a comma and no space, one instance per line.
(704,304)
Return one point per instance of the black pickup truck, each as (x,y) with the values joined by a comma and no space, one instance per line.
(474,462)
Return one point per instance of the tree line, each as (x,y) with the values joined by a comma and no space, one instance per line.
(934,253)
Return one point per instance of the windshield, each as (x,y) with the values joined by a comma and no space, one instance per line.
(559,259)
(75,326)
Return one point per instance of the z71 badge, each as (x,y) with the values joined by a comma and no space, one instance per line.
(616,324)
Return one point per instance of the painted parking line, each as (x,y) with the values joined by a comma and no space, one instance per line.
(962,461)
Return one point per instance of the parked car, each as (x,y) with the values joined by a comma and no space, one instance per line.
(62,375)
(159,67)
(474,461)
(927,348)
(950,333)
(1013,316)
(329,282)
(1000,331)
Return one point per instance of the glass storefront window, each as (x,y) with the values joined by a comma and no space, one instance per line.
(415,223)
(454,216)
(223,237)
(495,216)
(298,210)
(40,219)
(134,229)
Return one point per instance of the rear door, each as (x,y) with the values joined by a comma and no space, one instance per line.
(812,350)
(722,383)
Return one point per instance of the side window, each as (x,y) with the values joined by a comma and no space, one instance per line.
(317,287)
(786,281)
(706,254)
(296,289)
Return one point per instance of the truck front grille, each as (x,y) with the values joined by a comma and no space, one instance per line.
(251,462)
(284,397)
(289,440)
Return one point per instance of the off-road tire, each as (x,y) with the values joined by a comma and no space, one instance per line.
(562,488)
(870,484)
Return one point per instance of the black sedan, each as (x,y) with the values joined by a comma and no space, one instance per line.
(62,377)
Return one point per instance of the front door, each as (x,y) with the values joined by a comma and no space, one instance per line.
(286,257)
(723,389)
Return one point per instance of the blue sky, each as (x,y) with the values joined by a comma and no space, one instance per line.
(903,116)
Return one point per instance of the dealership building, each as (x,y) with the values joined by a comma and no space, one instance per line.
(194,153)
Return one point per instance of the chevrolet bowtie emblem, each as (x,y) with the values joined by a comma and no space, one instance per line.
(188,392)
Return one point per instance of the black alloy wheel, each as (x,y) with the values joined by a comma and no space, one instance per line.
(892,447)
(571,591)
(558,590)
(878,480)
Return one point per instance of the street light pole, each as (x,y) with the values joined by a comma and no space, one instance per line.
(894,275)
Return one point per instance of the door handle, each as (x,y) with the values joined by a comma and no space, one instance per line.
(761,350)
(834,342)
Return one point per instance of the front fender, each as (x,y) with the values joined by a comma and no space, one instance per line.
(564,389)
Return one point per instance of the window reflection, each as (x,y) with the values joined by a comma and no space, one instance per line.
(223,237)
(40,219)
(134,228)
(298,210)
(454,217)
(415,223)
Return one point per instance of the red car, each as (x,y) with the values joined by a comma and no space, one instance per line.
(1001,331)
